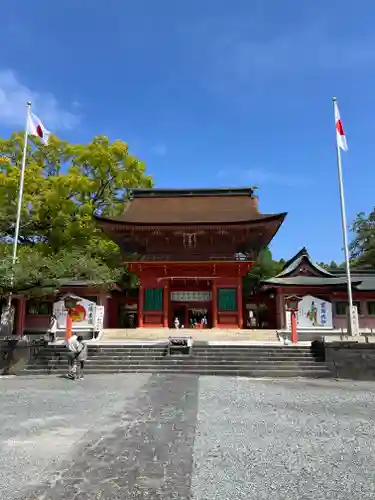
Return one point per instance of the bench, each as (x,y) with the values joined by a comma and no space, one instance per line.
(184,344)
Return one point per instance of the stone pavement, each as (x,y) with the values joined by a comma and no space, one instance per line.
(186,437)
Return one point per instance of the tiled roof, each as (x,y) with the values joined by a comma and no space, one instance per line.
(295,261)
(197,206)
(290,275)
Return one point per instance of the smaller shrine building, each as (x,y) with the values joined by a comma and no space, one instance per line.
(324,303)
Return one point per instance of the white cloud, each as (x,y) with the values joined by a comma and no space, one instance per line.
(160,150)
(13,97)
(257,176)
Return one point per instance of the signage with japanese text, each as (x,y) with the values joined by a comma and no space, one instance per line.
(99,318)
(83,314)
(191,296)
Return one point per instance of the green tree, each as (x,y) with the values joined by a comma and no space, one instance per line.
(362,246)
(264,268)
(65,184)
(36,273)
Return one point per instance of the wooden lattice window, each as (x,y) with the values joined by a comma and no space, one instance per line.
(38,308)
(153,299)
(227,299)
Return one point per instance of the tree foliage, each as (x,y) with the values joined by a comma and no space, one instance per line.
(362,246)
(264,268)
(36,273)
(65,185)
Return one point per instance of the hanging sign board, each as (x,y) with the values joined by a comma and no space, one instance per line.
(99,318)
(191,296)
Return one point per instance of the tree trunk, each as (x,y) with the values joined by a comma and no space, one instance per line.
(7,317)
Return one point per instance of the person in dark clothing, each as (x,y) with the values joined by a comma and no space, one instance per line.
(81,357)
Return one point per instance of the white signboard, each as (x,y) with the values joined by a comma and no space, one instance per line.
(312,313)
(191,296)
(83,314)
(99,318)
(355,323)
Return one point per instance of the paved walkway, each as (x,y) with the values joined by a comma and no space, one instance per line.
(184,437)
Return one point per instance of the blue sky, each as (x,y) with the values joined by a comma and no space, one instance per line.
(209,93)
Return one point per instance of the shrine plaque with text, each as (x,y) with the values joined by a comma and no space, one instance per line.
(191,296)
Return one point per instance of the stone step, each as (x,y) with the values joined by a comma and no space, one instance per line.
(270,361)
(185,362)
(205,349)
(196,332)
(258,373)
(180,360)
(222,358)
(202,355)
(213,366)
(196,345)
(218,355)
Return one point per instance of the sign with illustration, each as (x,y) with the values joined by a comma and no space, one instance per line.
(312,313)
(191,296)
(83,314)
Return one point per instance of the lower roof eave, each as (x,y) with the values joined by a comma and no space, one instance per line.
(271,284)
(113,221)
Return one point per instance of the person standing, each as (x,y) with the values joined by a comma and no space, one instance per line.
(52,328)
(73,347)
(81,357)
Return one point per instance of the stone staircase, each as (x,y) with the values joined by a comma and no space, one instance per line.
(209,334)
(241,360)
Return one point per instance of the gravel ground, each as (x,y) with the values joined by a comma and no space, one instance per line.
(284,440)
(186,437)
(46,420)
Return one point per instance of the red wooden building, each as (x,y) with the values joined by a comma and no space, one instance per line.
(191,249)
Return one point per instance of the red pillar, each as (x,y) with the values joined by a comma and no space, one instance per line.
(20,315)
(140,306)
(214,304)
(166,305)
(294,327)
(69,325)
(239,303)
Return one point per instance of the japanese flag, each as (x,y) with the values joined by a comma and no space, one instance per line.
(340,134)
(36,127)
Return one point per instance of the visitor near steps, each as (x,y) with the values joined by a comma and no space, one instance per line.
(74,347)
(81,357)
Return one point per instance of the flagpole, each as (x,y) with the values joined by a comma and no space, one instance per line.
(8,307)
(20,190)
(345,234)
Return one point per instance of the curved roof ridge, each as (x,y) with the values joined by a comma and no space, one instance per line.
(293,263)
(182,192)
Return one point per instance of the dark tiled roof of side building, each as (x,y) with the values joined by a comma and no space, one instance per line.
(362,279)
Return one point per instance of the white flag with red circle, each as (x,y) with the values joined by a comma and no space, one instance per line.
(340,134)
(36,127)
